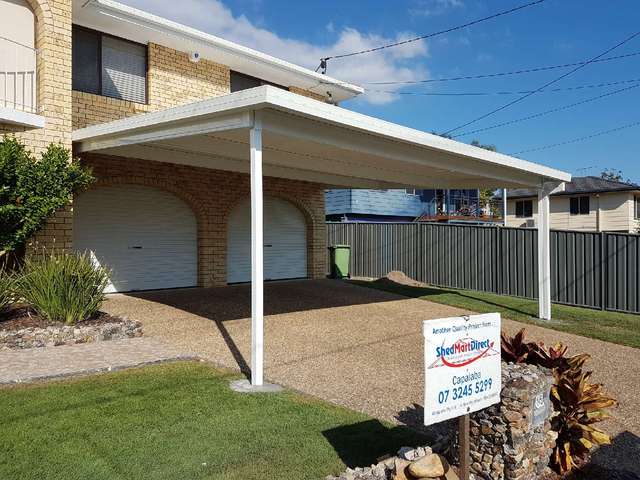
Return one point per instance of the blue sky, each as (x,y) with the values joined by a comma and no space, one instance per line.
(555,32)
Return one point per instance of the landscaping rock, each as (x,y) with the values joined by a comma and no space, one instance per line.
(429,466)
(35,337)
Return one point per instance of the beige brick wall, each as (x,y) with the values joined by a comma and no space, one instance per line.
(172,80)
(195,186)
(90,109)
(307,93)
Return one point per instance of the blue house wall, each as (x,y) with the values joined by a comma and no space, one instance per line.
(362,204)
(386,205)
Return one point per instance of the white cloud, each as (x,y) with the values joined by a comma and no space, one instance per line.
(429,8)
(401,63)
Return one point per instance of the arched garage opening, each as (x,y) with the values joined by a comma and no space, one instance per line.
(146,236)
(285,241)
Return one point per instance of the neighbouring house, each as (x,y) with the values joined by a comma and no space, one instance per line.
(590,204)
(211,159)
(408,205)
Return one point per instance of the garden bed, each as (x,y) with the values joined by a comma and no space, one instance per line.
(22,328)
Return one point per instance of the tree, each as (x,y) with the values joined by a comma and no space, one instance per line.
(31,189)
(613,175)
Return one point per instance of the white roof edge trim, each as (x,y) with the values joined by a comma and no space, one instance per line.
(278,99)
(193,34)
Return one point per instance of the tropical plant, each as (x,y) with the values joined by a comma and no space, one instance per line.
(31,189)
(515,349)
(578,404)
(7,280)
(65,288)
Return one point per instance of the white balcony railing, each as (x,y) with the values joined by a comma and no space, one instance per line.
(18,81)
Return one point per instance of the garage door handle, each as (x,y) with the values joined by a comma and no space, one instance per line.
(137,247)
(268,245)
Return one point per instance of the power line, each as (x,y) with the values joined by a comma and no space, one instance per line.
(579,139)
(548,84)
(547,112)
(323,61)
(501,74)
(477,94)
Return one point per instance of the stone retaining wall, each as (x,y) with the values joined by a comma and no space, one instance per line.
(513,439)
(68,335)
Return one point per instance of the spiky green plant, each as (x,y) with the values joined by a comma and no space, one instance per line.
(7,283)
(66,288)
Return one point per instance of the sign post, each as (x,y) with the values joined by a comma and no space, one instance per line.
(462,371)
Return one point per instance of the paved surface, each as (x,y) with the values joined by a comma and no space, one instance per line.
(36,364)
(354,346)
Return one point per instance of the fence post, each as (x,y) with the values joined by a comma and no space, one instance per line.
(603,268)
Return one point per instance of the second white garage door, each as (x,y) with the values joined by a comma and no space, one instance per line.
(146,236)
(285,242)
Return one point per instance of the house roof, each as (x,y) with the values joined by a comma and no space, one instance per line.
(136,25)
(579,185)
(309,140)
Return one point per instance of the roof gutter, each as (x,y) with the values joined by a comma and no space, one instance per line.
(161,25)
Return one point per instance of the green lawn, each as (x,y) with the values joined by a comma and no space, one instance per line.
(180,421)
(620,328)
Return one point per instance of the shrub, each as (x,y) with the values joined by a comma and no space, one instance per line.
(62,287)
(578,404)
(32,189)
(7,280)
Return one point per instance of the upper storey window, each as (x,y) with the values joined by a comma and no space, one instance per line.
(240,81)
(109,66)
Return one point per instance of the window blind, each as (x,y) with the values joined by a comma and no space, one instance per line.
(124,67)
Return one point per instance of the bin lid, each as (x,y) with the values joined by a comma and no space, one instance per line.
(340,246)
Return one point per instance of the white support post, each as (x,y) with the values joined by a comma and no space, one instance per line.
(257,245)
(544,255)
(504,207)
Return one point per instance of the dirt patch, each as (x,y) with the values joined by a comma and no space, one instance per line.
(397,277)
(22,317)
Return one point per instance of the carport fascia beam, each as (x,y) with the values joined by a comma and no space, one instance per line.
(285,124)
(187,128)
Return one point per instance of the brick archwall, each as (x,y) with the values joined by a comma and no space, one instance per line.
(212,195)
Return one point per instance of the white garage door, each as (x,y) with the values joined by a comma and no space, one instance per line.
(146,236)
(285,242)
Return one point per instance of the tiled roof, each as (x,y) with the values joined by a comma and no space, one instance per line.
(578,185)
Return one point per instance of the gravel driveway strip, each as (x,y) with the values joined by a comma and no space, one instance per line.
(354,346)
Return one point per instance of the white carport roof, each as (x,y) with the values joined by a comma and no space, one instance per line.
(309,140)
(273,132)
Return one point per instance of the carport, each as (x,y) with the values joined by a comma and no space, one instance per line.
(271,132)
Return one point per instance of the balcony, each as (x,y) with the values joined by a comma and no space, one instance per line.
(18,85)
(461,208)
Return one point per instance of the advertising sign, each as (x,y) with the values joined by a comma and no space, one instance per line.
(462,365)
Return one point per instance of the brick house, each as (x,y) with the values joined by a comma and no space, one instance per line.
(212,158)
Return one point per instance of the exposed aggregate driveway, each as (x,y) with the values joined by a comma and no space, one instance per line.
(355,346)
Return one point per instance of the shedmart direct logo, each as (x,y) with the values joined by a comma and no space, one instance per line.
(463,352)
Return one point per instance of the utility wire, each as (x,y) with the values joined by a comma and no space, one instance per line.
(477,94)
(548,84)
(579,139)
(501,74)
(323,61)
(546,112)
